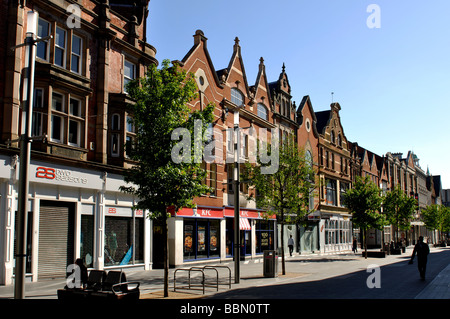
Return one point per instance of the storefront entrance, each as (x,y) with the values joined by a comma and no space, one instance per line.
(56,238)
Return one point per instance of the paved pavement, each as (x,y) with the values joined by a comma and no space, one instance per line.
(299,269)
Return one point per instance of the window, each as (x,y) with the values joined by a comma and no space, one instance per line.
(66,45)
(75,62)
(75,121)
(331,192)
(38,109)
(67,124)
(201,238)
(124,240)
(60,47)
(115,134)
(130,136)
(57,121)
(343,191)
(213,179)
(128,74)
(262,112)
(43,31)
(237,97)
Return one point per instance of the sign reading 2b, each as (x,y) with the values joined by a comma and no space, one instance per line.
(45,172)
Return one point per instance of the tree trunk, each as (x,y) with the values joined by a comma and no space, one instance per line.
(365,242)
(166,255)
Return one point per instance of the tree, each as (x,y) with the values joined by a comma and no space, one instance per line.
(287,191)
(364,202)
(160,109)
(399,209)
(437,217)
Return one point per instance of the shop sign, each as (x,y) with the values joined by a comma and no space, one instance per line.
(200,212)
(58,174)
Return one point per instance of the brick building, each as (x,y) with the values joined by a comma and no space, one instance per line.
(334,174)
(207,231)
(80,103)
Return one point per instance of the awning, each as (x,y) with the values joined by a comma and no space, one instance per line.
(244,224)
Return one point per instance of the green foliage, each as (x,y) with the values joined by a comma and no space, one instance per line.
(364,202)
(286,192)
(399,208)
(436,217)
(161,99)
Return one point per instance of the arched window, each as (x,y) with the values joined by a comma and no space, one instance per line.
(309,158)
(237,97)
(262,111)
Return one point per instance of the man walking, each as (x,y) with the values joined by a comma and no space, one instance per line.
(422,250)
(291,245)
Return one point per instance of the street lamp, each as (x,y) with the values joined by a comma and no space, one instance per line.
(25,148)
(236,199)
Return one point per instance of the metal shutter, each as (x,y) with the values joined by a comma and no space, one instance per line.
(55,241)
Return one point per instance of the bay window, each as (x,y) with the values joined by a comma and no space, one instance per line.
(67,123)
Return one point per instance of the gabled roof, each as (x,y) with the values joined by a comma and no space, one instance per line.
(323,118)
(227,71)
(262,75)
(199,39)
(306,102)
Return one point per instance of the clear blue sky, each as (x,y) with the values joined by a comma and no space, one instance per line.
(392,82)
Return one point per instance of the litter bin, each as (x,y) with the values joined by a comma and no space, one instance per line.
(270,263)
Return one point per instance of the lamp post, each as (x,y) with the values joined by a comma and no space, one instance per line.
(237,256)
(25,147)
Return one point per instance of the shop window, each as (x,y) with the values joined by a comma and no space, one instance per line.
(201,239)
(87,240)
(122,246)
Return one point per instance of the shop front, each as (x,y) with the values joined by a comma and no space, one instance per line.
(72,213)
(207,233)
(335,233)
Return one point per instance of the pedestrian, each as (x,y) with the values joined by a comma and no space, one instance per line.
(355,245)
(422,250)
(291,245)
(83,272)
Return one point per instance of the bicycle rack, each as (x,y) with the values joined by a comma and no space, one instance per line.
(203,282)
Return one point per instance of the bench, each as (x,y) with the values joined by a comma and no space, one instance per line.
(101,285)
(375,254)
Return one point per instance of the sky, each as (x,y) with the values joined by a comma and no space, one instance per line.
(387,62)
